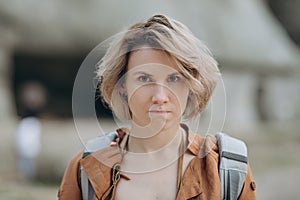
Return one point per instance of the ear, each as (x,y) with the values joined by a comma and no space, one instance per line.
(190,94)
(122,89)
(123,92)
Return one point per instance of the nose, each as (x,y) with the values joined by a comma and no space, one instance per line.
(160,95)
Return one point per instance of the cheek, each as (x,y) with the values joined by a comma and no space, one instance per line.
(138,98)
(183,101)
(181,98)
(133,89)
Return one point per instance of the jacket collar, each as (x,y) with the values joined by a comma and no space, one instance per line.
(97,165)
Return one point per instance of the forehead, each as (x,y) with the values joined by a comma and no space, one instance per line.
(147,56)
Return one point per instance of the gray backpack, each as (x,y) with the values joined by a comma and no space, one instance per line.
(232,165)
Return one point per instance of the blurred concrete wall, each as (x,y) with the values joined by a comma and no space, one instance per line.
(7,111)
(257,58)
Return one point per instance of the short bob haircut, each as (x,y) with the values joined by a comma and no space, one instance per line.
(193,58)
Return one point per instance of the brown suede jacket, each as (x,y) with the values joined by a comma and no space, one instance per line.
(200,180)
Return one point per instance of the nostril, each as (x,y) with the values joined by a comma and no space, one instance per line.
(160,97)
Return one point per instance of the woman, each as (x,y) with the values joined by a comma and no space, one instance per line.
(157,75)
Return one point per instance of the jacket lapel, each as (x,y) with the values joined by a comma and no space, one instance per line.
(97,167)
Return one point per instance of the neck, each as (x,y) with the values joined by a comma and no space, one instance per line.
(145,140)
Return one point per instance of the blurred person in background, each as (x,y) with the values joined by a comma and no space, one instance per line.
(33,98)
(156,76)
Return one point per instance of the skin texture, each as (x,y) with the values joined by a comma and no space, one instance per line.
(154,83)
(157,96)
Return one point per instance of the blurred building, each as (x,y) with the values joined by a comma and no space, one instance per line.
(47,42)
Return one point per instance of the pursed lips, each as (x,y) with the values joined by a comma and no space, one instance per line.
(159,111)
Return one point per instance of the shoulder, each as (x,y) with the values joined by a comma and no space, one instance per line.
(70,184)
(216,164)
(203,146)
(219,144)
(72,170)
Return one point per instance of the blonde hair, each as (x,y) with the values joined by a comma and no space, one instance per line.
(193,58)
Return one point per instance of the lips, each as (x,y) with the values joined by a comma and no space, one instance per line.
(159,111)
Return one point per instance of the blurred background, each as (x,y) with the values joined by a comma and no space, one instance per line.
(43,43)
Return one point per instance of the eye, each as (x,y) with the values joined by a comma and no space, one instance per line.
(174,78)
(144,78)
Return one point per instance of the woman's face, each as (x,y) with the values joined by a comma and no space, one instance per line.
(156,90)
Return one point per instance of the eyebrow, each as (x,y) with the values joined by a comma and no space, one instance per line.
(175,73)
(141,72)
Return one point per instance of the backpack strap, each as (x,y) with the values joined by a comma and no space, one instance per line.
(93,145)
(232,166)
(87,190)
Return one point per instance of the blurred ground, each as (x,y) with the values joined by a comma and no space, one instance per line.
(273,150)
